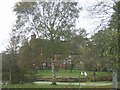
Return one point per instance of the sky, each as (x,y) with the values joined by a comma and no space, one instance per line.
(7,20)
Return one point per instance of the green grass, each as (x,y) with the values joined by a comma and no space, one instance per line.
(74,73)
(62,73)
(37,86)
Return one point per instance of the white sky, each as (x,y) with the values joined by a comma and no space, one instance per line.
(7,20)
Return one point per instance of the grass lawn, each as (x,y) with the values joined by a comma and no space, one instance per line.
(74,73)
(64,73)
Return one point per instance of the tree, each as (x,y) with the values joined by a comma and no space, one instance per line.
(101,11)
(49,20)
(28,61)
(78,43)
(100,43)
(110,14)
(10,59)
(115,25)
(6,74)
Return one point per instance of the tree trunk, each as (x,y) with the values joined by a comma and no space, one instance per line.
(10,70)
(53,71)
(114,80)
(9,75)
(94,75)
(0,68)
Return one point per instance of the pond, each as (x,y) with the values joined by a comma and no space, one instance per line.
(75,83)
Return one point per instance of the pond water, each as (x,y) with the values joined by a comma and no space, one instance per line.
(75,83)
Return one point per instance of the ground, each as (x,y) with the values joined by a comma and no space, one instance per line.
(74,73)
(63,74)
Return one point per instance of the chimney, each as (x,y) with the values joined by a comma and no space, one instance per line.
(33,36)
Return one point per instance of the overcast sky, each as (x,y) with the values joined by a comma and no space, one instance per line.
(7,20)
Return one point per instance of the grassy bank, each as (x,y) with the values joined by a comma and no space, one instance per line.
(67,73)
